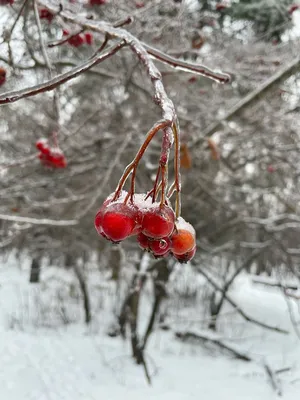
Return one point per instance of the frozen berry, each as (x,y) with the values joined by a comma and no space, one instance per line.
(183,238)
(184,258)
(118,222)
(158,222)
(160,247)
(143,241)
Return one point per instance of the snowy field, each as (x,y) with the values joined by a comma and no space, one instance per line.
(44,359)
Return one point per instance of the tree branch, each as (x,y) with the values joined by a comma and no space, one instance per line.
(11,97)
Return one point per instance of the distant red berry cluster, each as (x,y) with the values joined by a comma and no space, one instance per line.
(49,156)
(2,75)
(293,7)
(45,14)
(6,2)
(79,39)
(139,4)
(155,226)
(97,2)
(221,6)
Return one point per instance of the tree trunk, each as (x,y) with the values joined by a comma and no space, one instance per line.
(85,293)
(115,262)
(215,308)
(35,271)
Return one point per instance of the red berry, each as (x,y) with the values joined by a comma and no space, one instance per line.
(160,247)
(184,238)
(118,221)
(50,157)
(270,168)
(2,76)
(97,2)
(45,14)
(143,241)
(158,222)
(88,38)
(76,40)
(184,258)
(139,4)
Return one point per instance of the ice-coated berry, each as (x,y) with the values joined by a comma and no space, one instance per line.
(160,247)
(158,222)
(118,222)
(184,258)
(116,219)
(143,241)
(184,238)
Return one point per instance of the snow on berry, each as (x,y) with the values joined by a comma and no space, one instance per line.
(183,238)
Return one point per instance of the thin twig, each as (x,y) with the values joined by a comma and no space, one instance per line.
(11,97)
(37,221)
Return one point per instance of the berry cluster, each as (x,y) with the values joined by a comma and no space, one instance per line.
(79,39)
(49,156)
(139,4)
(2,75)
(154,224)
(97,2)
(45,14)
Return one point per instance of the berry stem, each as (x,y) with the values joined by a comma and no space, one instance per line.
(163,162)
(171,190)
(155,184)
(134,163)
(65,39)
(176,134)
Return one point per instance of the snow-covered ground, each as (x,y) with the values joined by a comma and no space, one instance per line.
(72,362)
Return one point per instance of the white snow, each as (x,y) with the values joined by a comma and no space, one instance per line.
(57,361)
